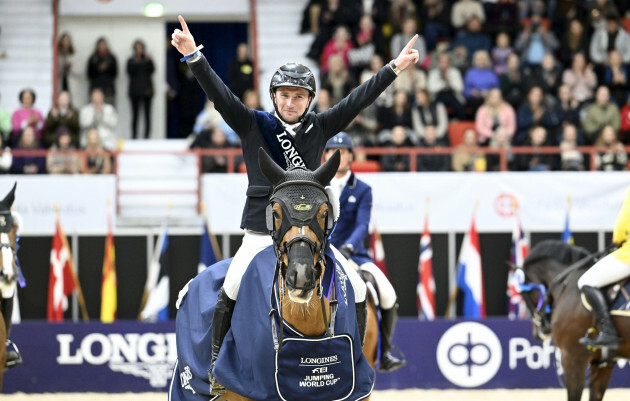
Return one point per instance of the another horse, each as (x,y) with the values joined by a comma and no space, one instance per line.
(8,267)
(550,290)
(295,326)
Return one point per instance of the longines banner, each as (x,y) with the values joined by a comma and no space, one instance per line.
(139,357)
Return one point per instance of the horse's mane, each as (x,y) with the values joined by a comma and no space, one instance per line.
(557,250)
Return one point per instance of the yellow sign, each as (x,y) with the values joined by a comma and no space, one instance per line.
(303,207)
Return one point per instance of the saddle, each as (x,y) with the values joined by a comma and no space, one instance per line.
(618,296)
(371,284)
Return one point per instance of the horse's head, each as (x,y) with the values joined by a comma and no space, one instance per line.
(8,241)
(299,218)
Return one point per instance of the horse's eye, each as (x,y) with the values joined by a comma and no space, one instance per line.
(276,215)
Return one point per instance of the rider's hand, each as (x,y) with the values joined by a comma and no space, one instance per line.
(346,250)
(182,40)
(408,55)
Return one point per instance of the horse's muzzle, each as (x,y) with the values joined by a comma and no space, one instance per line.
(301,276)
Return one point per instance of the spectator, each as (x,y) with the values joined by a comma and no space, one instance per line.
(624,133)
(574,41)
(513,82)
(426,113)
(369,42)
(580,78)
(537,161)
(493,116)
(472,38)
(412,79)
(62,157)
(62,114)
(616,78)
(398,139)
(398,114)
(434,162)
(6,158)
(207,119)
(611,155)
(530,8)
(337,79)
(599,11)
(251,99)
(565,111)
(5,123)
(140,68)
(535,41)
(28,164)
(467,156)
(445,85)
(500,142)
(436,20)
(399,40)
(607,38)
(240,75)
(599,114)
(479,79)
(212,139)
(386,98)
(547,76)
(400,11)
(27,115)
(532,113)
(339,45)
(97,160)
(500,53)
(570,157)
(459,58)
(501,16)
(102,116)
(363,128)
(464,10)
(102,71)
(322,103)
(65,58)
(333,13)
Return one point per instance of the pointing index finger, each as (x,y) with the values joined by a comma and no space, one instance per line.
(409,45)
(184,26)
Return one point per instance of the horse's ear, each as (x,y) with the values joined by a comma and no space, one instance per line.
(7,202)
(327,171)
(269,168)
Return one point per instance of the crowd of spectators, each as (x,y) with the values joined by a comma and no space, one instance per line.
(528,73)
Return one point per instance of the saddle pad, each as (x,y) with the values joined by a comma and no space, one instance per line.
(316,369)
(621,305)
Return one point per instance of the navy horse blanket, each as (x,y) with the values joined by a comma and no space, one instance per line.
(306,368)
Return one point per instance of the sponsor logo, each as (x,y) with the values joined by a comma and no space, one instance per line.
(505,205)
(290,153)
(469,354)
(151,356)
(343,278)
(185,377)
(303,207)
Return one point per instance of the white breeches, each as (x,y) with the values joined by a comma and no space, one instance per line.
(387,294)
(8,292)
(607,271)
(255,242)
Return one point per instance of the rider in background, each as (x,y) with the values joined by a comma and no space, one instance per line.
(293,137)
(349,236)
(608,270)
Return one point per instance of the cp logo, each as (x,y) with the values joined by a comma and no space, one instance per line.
(469,354)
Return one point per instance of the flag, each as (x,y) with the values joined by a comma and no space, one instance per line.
(61,280)
(208,249)
(520,249)
(377,251)
(567,236)
(16,317)
(470,275)
(426,283)
(157,287)
(109,297)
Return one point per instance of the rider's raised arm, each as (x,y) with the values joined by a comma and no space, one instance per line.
(233,111)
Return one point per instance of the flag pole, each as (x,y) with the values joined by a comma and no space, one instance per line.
(213,238)
(84,312)
(145,293)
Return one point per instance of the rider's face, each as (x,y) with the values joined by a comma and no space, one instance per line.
(345,161)
(292,103)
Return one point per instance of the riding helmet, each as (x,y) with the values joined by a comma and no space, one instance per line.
(295,75)
(340,141)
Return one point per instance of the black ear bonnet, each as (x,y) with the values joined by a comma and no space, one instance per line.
(6,217)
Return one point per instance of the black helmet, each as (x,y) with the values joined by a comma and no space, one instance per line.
(295,75)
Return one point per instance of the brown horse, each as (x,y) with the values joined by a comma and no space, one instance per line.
(299,249)
(552,270)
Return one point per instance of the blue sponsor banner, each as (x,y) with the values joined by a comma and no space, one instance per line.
(129,356)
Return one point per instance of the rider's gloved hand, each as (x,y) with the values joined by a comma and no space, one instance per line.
(346,250)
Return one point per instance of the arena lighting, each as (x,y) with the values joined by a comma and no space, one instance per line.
(153,10)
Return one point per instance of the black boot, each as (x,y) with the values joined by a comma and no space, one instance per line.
(361,309)
(389,362)
(13,355)
(221,322)
(607,336)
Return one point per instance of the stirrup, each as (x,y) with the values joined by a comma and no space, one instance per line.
(216,388)
(14,358)
(602,340)
(395,363)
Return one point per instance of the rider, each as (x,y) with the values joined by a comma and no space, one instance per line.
(349,236)
(293,136)
(608,270)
